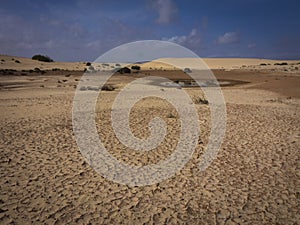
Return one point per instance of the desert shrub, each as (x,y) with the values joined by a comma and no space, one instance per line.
(88,64)
(2,60)
(200,100)
(108,88)
(17,61)
(187,70)
(124,70)
(117,64)
(42,58)
(136,67)
(37,70)
(296,68)
(55,69)
(263,64)
(281,64)
(7,71)
(105,64)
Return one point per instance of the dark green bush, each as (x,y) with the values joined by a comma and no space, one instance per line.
(108,87)
(42,58)
(281,64)
(136,67)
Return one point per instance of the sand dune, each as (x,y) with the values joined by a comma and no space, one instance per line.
(9,62)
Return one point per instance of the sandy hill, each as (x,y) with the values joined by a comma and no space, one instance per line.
(20,63)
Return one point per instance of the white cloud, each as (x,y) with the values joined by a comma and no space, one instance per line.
(228,38)
(192,40)
(167,11)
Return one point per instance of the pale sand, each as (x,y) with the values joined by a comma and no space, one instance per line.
(254,180)
(212,63)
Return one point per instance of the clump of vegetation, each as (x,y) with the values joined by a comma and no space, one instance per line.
(281,64)
(55,69)
(17,61)
(200,100)
(187,70)
(263,64)
(117,64)
(2,60)
(124,70)
(42,58)
(38,70)
(7,71)
(108,87)
(88,64)
(135,67)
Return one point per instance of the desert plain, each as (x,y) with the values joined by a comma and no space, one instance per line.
(255,178)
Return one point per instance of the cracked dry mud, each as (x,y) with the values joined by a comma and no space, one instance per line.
(45,179)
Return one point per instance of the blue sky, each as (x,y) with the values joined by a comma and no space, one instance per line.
(82,30)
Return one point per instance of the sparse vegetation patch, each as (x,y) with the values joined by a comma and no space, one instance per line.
(42,58)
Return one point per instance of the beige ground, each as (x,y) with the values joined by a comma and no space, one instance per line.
(254,180)
(9,62)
